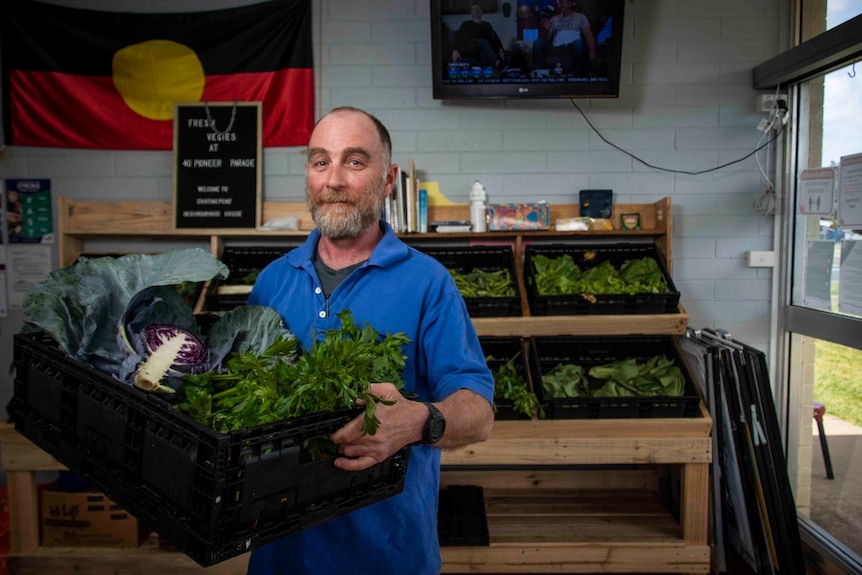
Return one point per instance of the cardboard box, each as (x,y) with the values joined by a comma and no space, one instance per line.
(87,519)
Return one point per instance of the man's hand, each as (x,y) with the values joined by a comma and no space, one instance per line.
(469,419)
(400,424)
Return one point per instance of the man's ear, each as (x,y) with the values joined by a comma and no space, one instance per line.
(391,176)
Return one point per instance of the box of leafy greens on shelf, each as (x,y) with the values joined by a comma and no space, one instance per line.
(485,276)
(601,279)
(182,419)
(513,395)
(589,377)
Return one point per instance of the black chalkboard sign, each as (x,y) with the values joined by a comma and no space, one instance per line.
(217,170)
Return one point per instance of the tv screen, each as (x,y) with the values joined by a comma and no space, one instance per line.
(526,48)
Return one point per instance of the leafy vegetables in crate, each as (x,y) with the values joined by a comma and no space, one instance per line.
(510,385)
(657,376)
(79,306)
(261,388)
(161,340)
(480,283)
(561,276)
(117,313)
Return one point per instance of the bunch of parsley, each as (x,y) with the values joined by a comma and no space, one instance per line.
(282,383)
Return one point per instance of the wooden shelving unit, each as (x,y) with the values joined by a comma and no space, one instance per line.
(562,496)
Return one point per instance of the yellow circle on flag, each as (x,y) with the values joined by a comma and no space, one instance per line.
(154,75)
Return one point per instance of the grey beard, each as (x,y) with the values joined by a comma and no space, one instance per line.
(339,226)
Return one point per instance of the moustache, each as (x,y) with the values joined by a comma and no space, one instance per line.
(335,199)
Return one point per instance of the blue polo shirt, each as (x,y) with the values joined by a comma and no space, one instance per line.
(398,289)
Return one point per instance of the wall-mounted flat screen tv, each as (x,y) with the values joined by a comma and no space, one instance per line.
(526,48)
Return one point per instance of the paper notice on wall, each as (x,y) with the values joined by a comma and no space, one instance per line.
(850,278)
(28,265)
(816,192)
(818,274)
(850,191)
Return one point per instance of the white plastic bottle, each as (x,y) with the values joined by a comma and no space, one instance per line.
(477,207)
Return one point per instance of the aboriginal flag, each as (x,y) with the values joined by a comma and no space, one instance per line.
(89,79)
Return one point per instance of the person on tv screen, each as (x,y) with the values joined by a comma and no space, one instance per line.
(477,43)
(570,47)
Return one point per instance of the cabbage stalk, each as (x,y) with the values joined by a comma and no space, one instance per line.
(171,352)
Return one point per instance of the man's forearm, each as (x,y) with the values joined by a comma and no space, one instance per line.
(469,419)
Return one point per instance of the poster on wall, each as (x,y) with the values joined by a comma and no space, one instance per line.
(816,192)
(217,165)
(850,191)
(29,217)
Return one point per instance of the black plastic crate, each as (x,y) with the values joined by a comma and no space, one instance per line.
(241,261)
(502,349)
(488,259)
(212,495)
(589,256)
(461,517)
(588,351)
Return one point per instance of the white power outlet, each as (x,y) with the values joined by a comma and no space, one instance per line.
(760,259)
(766,101)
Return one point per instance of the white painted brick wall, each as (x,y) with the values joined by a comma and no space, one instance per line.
(686,104)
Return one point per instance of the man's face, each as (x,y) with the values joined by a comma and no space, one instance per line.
(346,180)
(476,12)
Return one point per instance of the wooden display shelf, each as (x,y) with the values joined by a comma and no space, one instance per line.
(80,220)
(598,325)
(550,508)
(563,496)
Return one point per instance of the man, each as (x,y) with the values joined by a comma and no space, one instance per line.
(572,43)
(477,43)
(353,260)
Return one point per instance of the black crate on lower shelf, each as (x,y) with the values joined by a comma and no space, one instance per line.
(590,256)
(501,350)
(211,495)
(461,517)
(588,351)
(487,259)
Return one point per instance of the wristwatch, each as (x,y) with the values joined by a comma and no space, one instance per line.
(434,427)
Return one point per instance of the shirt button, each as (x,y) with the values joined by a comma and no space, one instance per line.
(318,291)
(321,314)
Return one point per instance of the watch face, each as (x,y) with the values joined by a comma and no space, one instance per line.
(435,433)
(434,427)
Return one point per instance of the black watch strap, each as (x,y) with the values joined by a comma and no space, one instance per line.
(434,426)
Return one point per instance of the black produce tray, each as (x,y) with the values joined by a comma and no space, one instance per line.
(488,259)
(211,495)
(461,518)
(503,349)
(588,351)
(589,256)
(241,261)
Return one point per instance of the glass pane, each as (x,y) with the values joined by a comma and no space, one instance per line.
(835,131)
(839,11)
(836,504)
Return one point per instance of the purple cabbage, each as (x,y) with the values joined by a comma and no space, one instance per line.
(170,352)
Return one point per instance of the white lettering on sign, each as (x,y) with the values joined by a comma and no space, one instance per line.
(213,163)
